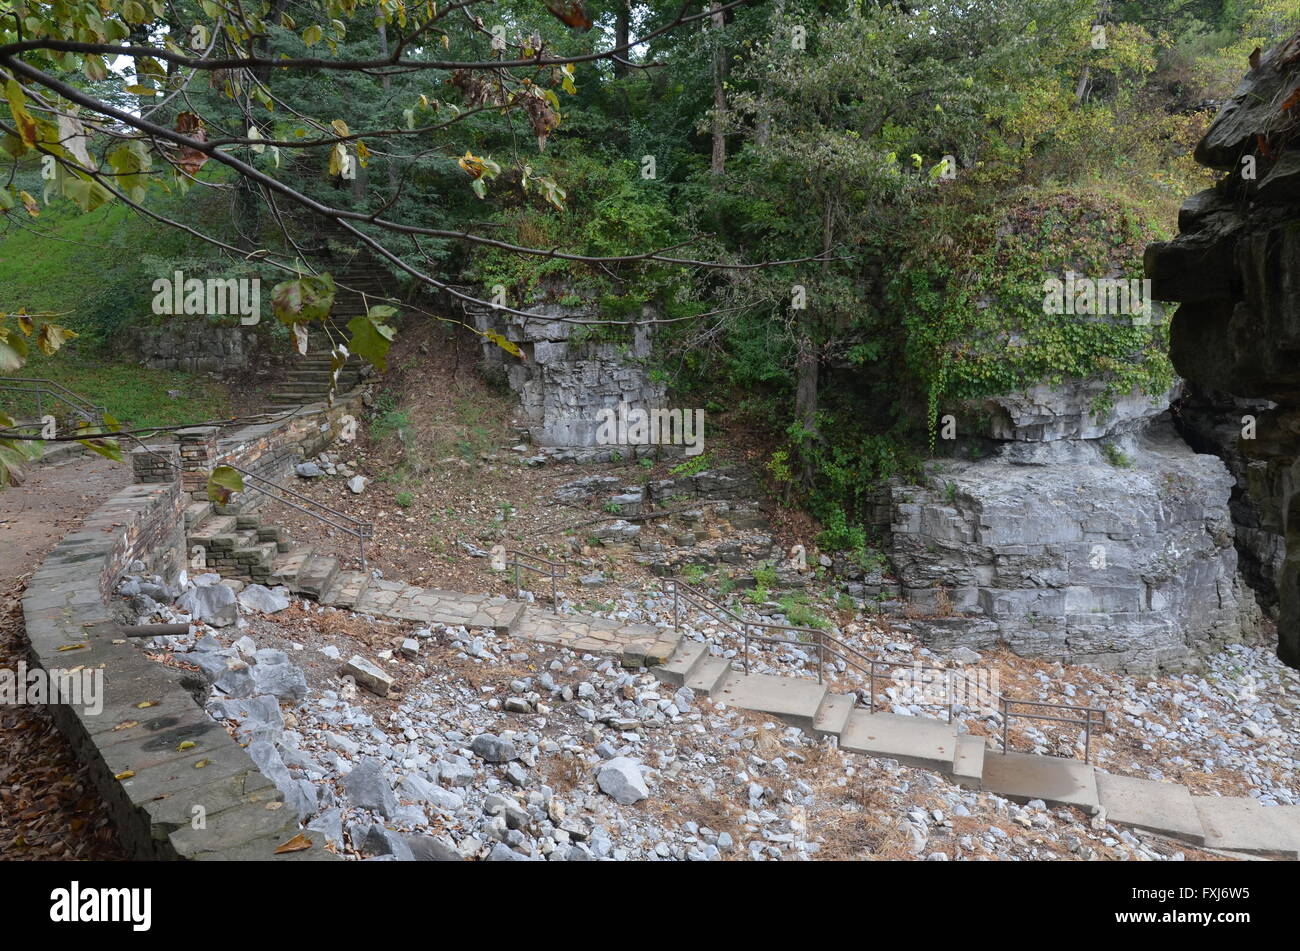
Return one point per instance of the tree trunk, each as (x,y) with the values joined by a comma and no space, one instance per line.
(719,162)
(622,34)
(388,83)
(808,364)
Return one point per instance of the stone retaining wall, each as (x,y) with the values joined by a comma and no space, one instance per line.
(176,784)
(195,345)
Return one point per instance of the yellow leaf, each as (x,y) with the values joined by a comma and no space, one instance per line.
(22,118)
(125,774)
(145,704)
(72,647)
(187,745)
(29,203)
(298,843)
(201,763)
(504,344)
(127,724)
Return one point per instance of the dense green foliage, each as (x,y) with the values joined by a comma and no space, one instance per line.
(943,159)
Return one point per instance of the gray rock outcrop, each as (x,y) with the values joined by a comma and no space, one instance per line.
(1235,269)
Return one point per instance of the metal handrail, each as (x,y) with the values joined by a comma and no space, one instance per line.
(868,665)
(1086,721)
(357,528)
(79,404)
(551,571)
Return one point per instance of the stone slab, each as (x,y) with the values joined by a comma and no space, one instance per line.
(1239,824)
(915,741)
(1024,776)
(1166,808)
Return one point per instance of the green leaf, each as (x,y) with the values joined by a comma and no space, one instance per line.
(308,298)
(223,482)
(88,195)
(312,35)
(370,338)
(108,448)
(13,351)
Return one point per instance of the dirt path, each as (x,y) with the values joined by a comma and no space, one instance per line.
(48,807)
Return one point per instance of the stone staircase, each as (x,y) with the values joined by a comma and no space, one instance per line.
(359,280)
(237,545)
(1233,824)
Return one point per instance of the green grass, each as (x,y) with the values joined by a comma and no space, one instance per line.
(61,264)
(135,396)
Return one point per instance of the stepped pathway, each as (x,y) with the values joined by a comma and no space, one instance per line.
(360,281)
(238,546)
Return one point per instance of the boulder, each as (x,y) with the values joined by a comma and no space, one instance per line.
(264,600)
(367,787)
(621,779)
(211,604)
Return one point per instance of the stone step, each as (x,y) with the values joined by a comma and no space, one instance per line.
(196,513)
(913,741)
(1056,781)
(792,699)
(256,556)
(1166,808)
(1243,825)
(286,567)
(834,715)
(708,675)
(346,589)
(968,761)
(684,660)
(212,527)
(317,574)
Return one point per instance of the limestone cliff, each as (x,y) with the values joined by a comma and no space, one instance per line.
(1235,269)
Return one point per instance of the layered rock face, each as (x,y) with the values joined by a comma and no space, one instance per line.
(1089,538)
(564,380)
(1235,267)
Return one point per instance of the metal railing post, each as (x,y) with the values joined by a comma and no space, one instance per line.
(1005,718)
(821,657)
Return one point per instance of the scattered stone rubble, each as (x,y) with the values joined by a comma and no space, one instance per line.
(460,744)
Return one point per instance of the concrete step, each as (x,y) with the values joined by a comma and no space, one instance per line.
(708,675)
(286,567)
(792,699)
(316,575)
(346,589)
(1024,776)
(913,741)
(1243,825)
(834,715)
(680,665)
(1167,808)
(968,761)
